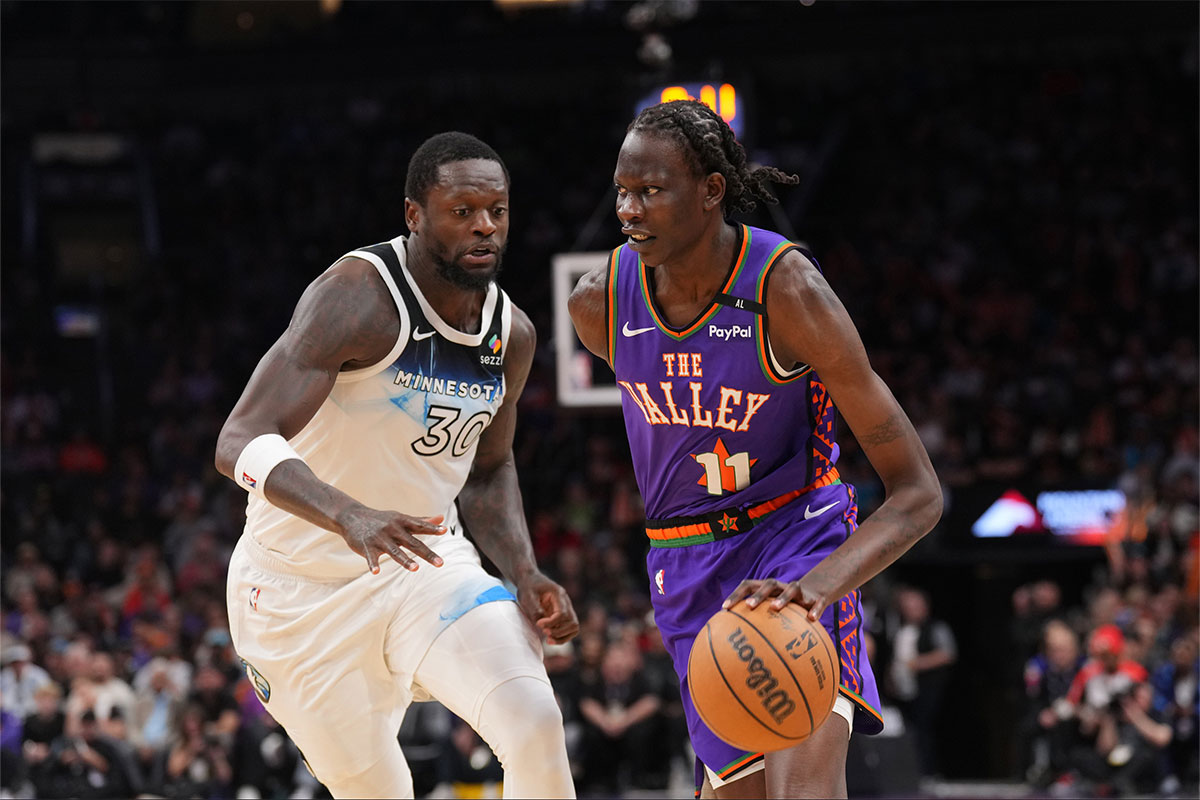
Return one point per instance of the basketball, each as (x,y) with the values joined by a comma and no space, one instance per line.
(763,679)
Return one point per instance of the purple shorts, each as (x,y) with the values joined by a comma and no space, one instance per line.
(689,583)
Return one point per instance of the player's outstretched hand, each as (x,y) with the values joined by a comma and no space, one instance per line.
(372,534)
(547,604)
(756,591)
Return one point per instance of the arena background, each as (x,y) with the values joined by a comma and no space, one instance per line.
(1003,194)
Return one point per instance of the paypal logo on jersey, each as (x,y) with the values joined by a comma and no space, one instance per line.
(725,334)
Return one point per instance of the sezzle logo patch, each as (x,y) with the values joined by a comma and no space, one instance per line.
(735,332)
(495,359)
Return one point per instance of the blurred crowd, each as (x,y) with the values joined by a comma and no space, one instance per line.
(1021,261)
(1111,695)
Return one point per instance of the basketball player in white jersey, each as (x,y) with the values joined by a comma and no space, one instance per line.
(352,591)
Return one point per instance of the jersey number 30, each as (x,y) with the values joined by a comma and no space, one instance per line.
(443,433)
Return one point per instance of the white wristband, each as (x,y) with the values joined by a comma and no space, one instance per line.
(258,458)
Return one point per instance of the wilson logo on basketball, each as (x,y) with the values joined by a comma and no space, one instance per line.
(759,677)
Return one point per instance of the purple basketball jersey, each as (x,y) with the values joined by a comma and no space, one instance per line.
(713,420)
(716,424)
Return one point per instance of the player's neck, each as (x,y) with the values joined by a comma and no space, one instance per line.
(700,272)
(458,307)
(461,309)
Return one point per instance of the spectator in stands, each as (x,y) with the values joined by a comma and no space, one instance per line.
(1130,741)
(157,705)
(20,679)
(1096,697)
(1177,703)
(170,660)
(212,695)
(668,741)
(109,691)
(1049,726)
(149,590)
(44,725)
(617,712)
(1034,605)
(195,764)
(1107,671)
(923,651)
(89,764)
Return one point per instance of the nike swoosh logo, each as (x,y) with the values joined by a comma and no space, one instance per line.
(419,335)
(634,331)
(809,513)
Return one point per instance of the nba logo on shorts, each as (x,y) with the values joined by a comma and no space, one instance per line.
(658,581)
(254,593)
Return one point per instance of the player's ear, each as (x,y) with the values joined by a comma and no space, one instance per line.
(714,190)
(412,214)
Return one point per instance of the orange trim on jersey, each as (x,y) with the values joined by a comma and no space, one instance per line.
(764,357)
(738,263)
(679,532)
(701,532)
(861,703)
(734,766)
(612,305)
(763,509)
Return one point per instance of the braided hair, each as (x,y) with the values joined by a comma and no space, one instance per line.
(708,145)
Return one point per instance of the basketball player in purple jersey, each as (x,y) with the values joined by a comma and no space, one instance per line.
(731,351)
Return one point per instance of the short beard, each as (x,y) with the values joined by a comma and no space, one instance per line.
(460,277)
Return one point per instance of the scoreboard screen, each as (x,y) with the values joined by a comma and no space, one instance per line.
(722,98)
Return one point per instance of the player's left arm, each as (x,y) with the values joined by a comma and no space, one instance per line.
(491,506)
(809,324)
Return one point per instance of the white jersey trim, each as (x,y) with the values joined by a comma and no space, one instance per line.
(447,331)
(785,373)
(349,376)
(505,329)
(505,321)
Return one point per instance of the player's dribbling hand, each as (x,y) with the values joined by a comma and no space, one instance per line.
(547,604)
(372,534)
(757,591)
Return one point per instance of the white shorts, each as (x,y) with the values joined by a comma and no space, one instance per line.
(337,662)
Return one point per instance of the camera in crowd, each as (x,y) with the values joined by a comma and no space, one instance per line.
(1118,697)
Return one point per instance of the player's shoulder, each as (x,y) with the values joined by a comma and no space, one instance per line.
(351,268)
(797,263)
(591,284)
(588,302)
(351,288)
(795,283)
(350,274)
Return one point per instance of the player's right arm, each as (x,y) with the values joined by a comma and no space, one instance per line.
(345,318)
(589,311)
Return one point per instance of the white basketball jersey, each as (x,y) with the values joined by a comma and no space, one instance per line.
(399,435)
